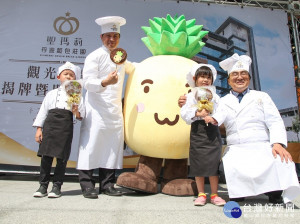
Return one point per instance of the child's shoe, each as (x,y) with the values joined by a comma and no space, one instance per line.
(41,192)
(201,200)
(55,192)
(216,200)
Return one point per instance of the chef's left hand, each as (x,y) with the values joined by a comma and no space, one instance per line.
(282,152)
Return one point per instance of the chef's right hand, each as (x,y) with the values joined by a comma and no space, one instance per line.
(111,79)
(277,149)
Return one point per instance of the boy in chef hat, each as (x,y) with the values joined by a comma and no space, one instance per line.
(69,66)
(54,123)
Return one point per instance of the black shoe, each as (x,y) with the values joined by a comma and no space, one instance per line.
(275,199)
(41,192)
(111,191)
(55,192)
(90,193)
(237,199)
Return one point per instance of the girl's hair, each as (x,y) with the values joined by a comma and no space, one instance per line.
(204,70)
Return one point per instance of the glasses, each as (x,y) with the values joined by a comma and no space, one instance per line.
(243,74)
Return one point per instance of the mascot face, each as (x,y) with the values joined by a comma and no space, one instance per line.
(153,126)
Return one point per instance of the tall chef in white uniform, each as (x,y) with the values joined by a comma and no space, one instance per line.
(255,160)
(101,134)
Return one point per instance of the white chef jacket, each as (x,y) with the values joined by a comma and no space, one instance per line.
(55,99)
(252,126)
(102,131)
(188,110)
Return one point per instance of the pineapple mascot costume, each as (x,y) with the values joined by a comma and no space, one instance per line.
(153,127)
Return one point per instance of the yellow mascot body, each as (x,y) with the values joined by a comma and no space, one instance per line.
(153,127)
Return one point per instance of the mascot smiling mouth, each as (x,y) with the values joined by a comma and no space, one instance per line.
(166,120)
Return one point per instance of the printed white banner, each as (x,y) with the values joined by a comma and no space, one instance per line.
(37,36)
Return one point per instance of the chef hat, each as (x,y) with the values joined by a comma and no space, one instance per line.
(70,66)
(192,72)
(236,63)
(110,23)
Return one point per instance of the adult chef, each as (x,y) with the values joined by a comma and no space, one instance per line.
(101,134)
(255,160)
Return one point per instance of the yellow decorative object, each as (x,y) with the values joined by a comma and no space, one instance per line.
(73,89)
(204,96)
(205,104)
(74,99)
(153,126)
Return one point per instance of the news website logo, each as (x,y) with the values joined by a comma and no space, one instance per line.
(232,210)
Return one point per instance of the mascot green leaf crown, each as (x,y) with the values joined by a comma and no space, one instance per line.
(174,36)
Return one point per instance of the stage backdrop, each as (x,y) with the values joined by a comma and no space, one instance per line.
(37,36)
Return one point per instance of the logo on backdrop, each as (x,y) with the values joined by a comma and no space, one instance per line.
(66,25)
(232,210)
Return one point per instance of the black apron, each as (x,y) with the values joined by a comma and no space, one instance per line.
(57,134)
(205,149)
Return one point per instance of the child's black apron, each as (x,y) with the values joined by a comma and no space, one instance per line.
(57,134)
(205,149)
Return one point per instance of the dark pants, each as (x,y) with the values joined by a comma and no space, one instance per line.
(274,194)
(271,194)
(59,172)
(106,178)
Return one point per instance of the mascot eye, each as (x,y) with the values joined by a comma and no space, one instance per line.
(146,89)
(147,82)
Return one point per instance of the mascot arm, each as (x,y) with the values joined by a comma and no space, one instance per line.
(129,67)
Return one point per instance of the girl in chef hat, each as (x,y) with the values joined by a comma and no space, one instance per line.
(54,123)
(205,140)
